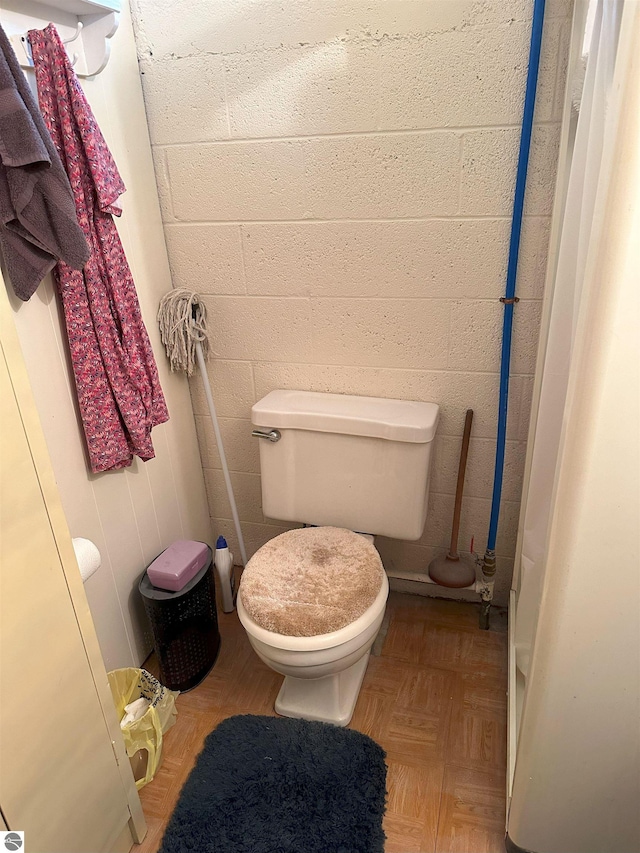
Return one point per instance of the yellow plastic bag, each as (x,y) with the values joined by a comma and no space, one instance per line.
(143,737)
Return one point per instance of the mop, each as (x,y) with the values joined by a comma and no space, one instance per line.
(183,328)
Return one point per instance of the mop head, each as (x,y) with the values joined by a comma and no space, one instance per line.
(182,318)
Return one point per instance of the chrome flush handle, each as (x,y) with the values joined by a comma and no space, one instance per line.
(271,435)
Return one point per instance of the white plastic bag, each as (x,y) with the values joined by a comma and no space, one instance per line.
(143,737)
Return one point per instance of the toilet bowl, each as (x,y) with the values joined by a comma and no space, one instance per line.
(323,673)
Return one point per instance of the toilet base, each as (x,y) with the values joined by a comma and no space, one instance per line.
(331,699)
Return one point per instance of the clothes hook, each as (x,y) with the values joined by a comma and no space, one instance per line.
(74,37)
(87,59)
(24,41)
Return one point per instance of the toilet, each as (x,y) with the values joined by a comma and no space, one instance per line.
(312,600)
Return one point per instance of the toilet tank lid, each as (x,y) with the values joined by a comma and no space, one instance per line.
(394,420)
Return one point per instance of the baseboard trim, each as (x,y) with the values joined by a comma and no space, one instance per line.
(415,584)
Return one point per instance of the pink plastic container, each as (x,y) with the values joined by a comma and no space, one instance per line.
(175,567)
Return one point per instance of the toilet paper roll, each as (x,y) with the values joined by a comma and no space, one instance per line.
(88,557)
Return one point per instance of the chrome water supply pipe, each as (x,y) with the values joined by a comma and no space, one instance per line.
(510,299)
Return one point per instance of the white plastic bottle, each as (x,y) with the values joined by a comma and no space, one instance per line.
(223,562)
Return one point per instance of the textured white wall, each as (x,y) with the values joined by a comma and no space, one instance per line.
(131,514)
(336,178)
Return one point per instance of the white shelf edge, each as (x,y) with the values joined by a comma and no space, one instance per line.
(82,7)
(106,5)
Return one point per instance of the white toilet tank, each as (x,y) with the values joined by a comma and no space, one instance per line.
(357,462)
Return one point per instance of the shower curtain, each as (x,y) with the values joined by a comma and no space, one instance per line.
(587,179)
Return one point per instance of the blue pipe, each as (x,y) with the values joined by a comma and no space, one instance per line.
(512,267)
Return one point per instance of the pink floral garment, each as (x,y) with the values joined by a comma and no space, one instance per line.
(116,376)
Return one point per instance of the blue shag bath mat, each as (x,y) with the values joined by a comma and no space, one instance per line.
(278,785)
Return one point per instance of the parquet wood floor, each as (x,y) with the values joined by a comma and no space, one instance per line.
(435,699)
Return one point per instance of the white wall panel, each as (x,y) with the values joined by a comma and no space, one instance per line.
(131,514)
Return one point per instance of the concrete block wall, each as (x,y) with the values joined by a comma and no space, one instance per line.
(336,180)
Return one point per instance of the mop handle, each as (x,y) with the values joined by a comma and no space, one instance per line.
(453,548)
(223,458)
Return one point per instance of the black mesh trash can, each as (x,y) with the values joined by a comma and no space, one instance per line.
(185,628)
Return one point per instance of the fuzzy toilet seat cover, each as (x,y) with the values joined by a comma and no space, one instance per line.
(311,581)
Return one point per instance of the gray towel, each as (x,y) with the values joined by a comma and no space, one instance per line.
(38,224)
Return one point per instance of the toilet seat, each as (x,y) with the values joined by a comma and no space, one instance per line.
(311,582)
(317,642)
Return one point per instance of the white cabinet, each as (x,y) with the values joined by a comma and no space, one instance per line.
(64,777)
